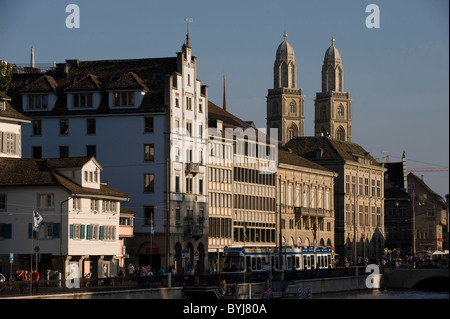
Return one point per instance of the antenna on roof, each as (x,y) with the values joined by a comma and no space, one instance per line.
(224,95)
(188,41)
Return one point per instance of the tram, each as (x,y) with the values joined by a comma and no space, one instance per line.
(259,259)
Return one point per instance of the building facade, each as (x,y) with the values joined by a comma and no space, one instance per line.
(80,227)
(10,129)
(145,121)
(306,201)
(242,185)
(358,193)
(430,216)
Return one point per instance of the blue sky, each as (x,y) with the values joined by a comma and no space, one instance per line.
(397,75)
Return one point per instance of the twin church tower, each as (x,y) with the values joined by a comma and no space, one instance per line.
(285,102)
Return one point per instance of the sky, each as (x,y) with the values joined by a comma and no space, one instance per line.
(397,75)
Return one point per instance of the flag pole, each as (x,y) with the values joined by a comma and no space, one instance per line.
(31,253)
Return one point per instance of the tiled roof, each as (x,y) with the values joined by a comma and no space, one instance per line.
(331,149)
(3,96)
(285,157)
(129,81)
(42,172)
(147,74)
(217,113)
(10,113)
(45,83)
(89,82)
(420,181)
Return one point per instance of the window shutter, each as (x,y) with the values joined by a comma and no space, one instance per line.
(83,230)
(56,230)
(71,231)
(101,232)
(89,232)
(17,144)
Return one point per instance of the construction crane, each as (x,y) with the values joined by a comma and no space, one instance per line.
(428,169)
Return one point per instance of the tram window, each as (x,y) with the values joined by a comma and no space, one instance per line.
(289,262)
(248,264)
(253,263)
(329,261)
(297,262)
(305,262)
(276,263)
(258,263)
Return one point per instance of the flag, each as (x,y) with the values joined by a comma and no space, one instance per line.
(245,230)
(38,220)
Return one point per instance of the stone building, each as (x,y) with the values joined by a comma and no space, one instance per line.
(285,110)
(306,198)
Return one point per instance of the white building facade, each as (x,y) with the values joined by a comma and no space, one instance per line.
(145,121)
(81,216)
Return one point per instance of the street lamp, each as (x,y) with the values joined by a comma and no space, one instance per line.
(354,233)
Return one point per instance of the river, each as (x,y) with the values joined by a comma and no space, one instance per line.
(385,294)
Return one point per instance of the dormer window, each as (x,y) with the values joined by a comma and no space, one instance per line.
(82,100)
(37,101)
(2,106)
(125,98)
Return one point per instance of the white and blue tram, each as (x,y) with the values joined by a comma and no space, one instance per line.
(258,259)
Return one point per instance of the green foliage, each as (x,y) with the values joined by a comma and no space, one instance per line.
(6,71)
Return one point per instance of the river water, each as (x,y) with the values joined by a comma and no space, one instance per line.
(385,294)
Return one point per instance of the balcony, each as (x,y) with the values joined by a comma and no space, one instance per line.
(193,230)
(192,168)
(313,212)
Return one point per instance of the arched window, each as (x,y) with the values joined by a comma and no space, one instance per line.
(292,131)
(292,108)
(340,133)
(340,111)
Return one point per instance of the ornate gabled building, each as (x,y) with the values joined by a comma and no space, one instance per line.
(145,119)
(285,110)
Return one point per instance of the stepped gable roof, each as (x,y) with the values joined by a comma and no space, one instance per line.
(286,157)
(332,149)
(43,172)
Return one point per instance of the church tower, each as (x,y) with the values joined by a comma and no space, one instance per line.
(333,105)
(285,110)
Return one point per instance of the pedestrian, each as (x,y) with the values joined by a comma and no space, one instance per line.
(35,278)
(130,269)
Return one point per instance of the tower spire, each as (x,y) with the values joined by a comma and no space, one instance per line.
(32,58)
(224,95)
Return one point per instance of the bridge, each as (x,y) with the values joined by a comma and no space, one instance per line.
(418,278)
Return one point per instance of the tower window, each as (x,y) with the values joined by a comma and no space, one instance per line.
(340,111)
(340,134)
(292,108)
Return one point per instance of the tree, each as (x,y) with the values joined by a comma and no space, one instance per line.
(6,71)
